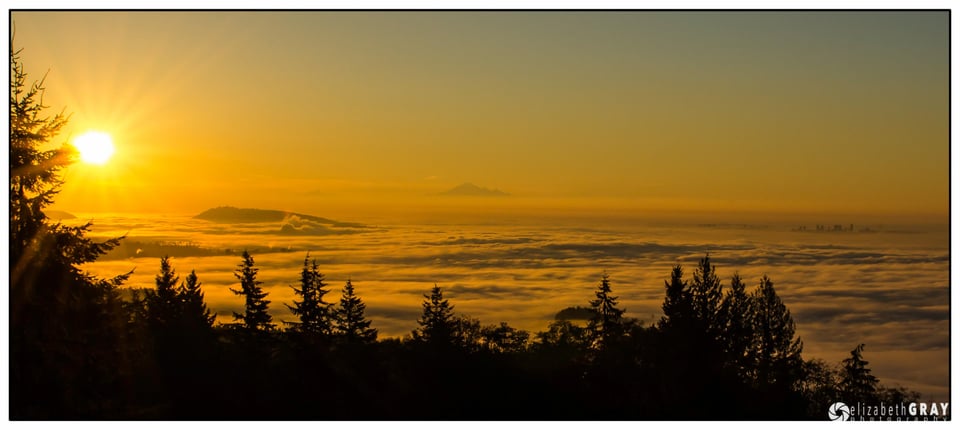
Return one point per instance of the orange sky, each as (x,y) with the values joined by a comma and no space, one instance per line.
(322,112)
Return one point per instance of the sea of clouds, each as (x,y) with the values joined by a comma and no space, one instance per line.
(888,287)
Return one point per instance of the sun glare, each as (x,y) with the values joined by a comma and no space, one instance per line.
(95,147)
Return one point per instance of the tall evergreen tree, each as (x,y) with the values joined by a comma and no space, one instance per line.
(316,315)
(194,313)
(705,295)
(195,357)
(34,172)
(677,307)
(67,327)
(255,317)
(690,352)
(737,322)
(437,323)
(163,308)
(181,328)
(351,325)
(776,349)
(857,384)
(40,250)
(164,304)
(607,323)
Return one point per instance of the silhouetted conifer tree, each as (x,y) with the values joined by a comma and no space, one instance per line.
(738,333)
(34,172)
(351,325)
(705,295)
(164,310)
(182,329)
(776,350)
(857,384)
(677,307)
(607,323)
(255,317)
(316,315)
(689,354)
(177,316)
(164,304)
(437,323)
(195,315)
(67,328)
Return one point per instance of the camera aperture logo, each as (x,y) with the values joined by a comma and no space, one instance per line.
(839,412)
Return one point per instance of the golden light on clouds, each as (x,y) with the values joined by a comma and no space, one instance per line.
(95,147)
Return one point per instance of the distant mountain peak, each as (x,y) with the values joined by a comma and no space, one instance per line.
(469,189)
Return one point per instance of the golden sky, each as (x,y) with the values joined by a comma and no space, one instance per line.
(735,111)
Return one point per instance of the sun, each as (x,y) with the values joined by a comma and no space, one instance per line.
(95,147)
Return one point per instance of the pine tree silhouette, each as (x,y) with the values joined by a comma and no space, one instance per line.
(677,307)
(738,333)
(437,323)
(164,304)
(776,350)
(857,384)
(255,317)
(195,315)
(67,328)
(351,325)
(705,295)
(316,315)
(182,331)
(689,352)
(607,323)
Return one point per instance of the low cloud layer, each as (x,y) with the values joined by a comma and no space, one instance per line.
(889,290)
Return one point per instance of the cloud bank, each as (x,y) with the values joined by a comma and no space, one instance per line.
(889,290)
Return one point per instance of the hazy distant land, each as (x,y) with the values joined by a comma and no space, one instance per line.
(229,214)
(59,215)
(468,189)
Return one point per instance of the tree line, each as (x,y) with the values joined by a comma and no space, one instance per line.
(83,347)
(716,353)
